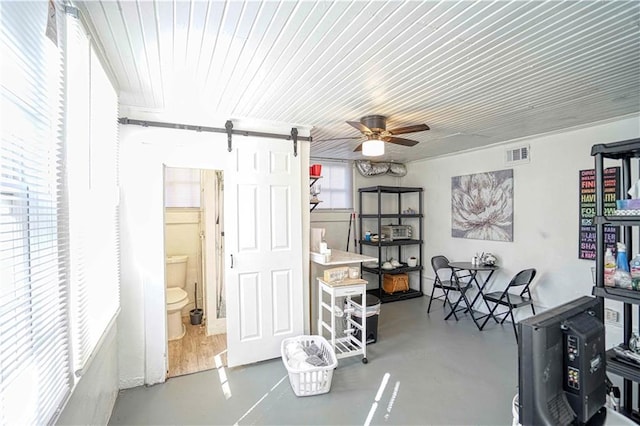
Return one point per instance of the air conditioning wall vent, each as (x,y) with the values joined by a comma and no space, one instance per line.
(518,155)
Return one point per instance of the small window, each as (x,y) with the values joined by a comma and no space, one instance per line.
(182,187)
(335,188)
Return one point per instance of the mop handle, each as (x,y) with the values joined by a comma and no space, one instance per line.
(349,231)
(355,233)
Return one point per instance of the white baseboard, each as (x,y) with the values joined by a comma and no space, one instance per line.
(130,383)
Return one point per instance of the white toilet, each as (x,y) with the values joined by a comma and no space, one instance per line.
(177,298)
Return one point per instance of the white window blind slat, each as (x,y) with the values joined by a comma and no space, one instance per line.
(13,163)
(27,166)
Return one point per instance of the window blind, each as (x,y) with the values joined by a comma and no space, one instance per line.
(336,186)
(181,187)
(77,161)
(92,165)
(34,357)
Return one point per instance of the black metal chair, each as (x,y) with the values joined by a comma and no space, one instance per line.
(441,267)
(512,300)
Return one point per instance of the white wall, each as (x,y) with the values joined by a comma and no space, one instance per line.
(95,394)
(142,337)
(545,208)
(142,340)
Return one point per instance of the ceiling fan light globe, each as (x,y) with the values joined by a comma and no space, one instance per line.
(373,148)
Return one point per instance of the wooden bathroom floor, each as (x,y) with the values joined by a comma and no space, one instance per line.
(195,351)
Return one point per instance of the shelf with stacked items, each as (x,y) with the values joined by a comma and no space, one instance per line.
(314,191)
(390,243)
(622,360)
(392,216)
(619,294)
(626,369)
(403,268)
(402,235)
(617,220)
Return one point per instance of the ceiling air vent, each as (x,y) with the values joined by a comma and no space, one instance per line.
(518,155)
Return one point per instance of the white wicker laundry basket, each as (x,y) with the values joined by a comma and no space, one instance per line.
(312,380)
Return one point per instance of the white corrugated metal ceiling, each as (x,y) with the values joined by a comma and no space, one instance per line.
(477,72)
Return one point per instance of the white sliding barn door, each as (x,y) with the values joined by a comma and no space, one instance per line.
(264,249)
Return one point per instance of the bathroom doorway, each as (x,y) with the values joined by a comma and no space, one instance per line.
(193,227)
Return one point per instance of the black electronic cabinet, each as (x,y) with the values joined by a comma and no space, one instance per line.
(625,152)
(375,220)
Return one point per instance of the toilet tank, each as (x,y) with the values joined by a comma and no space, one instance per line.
(176,271)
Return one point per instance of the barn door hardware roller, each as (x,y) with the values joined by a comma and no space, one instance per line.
(294,136)
(229,126)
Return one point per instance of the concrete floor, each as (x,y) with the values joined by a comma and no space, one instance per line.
(440,372)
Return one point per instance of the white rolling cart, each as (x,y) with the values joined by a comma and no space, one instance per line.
(345,344)
(319,263)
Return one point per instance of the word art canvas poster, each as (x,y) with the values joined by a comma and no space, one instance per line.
(482,206)
(587,208)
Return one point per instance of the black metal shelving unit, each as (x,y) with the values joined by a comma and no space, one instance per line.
(312,180)
(624,151)
(399,218)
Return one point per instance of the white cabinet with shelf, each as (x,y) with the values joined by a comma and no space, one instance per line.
(345,342)
(319,263)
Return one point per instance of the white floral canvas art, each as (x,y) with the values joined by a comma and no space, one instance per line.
(482,206)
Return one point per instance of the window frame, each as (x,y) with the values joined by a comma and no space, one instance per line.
(327,181)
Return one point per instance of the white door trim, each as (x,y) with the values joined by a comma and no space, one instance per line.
(215,325)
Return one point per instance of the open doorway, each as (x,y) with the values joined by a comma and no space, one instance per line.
(194,270)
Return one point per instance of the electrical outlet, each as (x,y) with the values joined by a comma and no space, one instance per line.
(610,315)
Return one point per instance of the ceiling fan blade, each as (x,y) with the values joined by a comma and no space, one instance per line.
(358,125)
(358,148)
(409,129)
(400,141)
(338,139)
